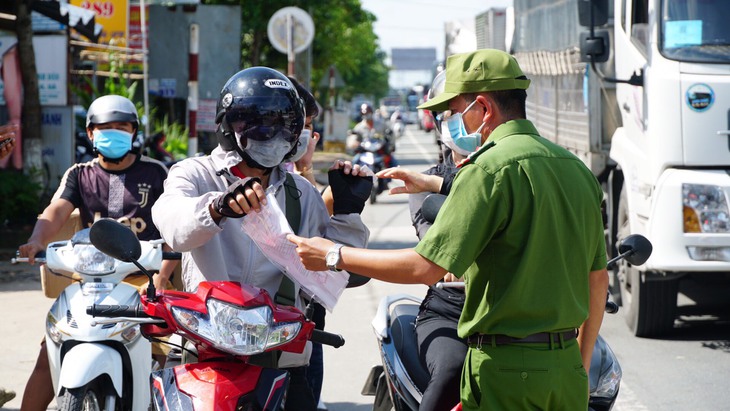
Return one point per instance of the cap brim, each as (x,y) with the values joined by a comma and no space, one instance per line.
(438,103)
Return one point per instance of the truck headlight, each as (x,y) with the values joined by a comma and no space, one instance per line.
(234,329)
(705,209)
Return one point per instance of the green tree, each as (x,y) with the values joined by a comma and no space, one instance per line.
(344,37)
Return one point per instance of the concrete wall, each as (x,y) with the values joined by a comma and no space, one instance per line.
(169,40)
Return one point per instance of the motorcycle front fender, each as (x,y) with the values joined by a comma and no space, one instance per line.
(218,385)
(85,362)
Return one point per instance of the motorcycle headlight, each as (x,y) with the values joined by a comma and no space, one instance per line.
(609,382)
(705,209)
(91,261)
(234,329)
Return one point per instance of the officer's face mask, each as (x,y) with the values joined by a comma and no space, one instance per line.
(464,140)
(268,153)
(112,143)
(303,143)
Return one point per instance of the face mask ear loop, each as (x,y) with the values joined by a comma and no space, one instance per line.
(478,130)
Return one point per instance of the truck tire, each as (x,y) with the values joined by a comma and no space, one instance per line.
(649,300)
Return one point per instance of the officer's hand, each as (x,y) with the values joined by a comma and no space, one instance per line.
(312,251)
(30,250)
(240,198)
(349,190)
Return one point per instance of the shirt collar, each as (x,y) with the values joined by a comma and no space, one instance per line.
(512,127)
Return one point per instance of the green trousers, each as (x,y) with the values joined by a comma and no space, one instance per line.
(524,377)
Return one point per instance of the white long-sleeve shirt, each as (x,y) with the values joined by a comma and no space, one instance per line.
(223,252)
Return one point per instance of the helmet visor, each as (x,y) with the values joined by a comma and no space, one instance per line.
(262,118)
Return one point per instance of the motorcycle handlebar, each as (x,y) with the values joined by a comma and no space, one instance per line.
(101,310)
(323,337)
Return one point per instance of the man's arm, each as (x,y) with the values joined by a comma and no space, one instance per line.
(47,226)
(415,182)
(182,214)
(162,278)
(598,282)
(395,266)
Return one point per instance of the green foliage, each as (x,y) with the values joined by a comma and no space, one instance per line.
(118,83)
(19,198)
(176,137)
(344,37)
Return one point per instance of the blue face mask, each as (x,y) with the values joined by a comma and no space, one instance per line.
(111,143)
(469,142)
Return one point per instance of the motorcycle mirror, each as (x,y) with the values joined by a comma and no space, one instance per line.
(116,240)
(638,247)
(431,206)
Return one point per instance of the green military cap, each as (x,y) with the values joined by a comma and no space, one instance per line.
(477,72)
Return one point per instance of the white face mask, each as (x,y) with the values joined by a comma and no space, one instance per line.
(268,153)
(303,144)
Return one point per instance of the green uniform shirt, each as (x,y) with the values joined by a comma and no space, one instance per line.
(523,226)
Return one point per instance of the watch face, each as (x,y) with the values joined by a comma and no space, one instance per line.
(331,259)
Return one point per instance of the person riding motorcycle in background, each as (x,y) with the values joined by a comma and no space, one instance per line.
(117,184)
(259,120)
(371,127)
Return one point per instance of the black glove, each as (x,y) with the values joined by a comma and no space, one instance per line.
(220,204)
(349,192)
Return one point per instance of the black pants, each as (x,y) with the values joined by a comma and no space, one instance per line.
(442,352)
(299,396)
(315,369)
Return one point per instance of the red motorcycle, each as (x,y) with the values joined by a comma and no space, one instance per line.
(237,332)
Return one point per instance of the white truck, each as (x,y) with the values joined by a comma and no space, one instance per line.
(641,93)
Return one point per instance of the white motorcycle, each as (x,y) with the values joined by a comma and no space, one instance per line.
(97,366)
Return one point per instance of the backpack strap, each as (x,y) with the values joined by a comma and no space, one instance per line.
(286,293)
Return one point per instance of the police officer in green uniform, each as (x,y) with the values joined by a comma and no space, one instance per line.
(522,226)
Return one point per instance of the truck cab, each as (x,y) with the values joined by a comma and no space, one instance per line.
(640,91)
(672,151)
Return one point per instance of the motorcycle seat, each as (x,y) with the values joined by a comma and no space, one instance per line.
(403,332)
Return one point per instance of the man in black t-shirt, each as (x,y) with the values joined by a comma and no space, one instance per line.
(118,184)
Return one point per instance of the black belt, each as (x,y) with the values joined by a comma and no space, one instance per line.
(500,339)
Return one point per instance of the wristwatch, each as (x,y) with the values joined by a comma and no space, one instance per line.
(333,257)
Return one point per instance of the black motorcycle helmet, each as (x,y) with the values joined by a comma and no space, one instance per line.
(267,102)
